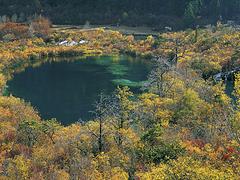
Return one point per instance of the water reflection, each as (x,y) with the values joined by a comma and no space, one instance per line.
(67,89)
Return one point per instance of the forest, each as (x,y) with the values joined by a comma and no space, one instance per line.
(156,13)
(182,123)
(182,126)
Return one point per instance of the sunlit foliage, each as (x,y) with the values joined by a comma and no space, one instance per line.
(183,126)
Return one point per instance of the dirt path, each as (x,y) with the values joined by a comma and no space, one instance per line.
(140,31)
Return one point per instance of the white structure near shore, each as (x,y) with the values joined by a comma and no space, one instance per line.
(71,43)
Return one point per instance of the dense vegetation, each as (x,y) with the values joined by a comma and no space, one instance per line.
(183,126)
(174,13)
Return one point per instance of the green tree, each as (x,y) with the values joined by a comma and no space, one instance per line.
(192,11)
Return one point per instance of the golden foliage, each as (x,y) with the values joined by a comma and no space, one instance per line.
(194,111)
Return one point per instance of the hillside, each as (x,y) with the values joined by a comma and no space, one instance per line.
(156,13)
(182,125)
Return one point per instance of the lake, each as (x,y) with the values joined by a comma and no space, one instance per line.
(67,90)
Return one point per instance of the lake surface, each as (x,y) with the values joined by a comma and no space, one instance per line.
(67,90)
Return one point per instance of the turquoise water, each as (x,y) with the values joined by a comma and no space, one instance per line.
(67,90)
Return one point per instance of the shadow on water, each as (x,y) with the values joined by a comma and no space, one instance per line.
(229,89)
(67,90)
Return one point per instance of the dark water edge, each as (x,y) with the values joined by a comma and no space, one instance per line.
(229,90)
(67,90)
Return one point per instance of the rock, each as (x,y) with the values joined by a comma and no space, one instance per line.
(63,43)
(73,43)
(82,42)
(218,77)
(168,28)
(230,23)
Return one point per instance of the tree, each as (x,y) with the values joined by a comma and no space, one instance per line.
(49,128)
(2,83)
(16,30)
(21,17)
(124,108)
(187,168)
(14,18)
(192,11)
(40,27)
(236,119)
(157,82)
(101,109)
(28,132)
(4,18)
(19,168)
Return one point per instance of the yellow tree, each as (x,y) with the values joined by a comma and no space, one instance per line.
(2,83)
(19,168)
(236,120)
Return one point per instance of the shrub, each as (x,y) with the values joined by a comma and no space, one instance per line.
(8,37)
(188,168)
(17,29)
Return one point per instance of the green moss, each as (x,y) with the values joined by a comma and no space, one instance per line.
(126,82)
(5,91)
(118,69)
(103,62)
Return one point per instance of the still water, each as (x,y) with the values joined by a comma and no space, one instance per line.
(67,90)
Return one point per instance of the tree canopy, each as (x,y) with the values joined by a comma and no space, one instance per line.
(130,12)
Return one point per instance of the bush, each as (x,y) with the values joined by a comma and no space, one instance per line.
(2,83)
(161,153)
(188,168)
(8,37)
(16,29)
